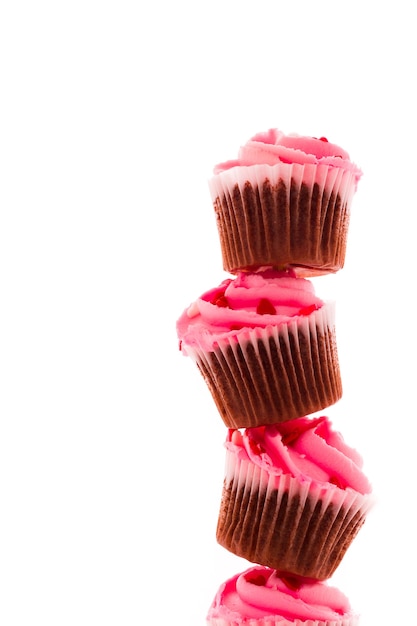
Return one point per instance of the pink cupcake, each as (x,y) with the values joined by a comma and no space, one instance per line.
(266,347)
(285,201)
(261,596)
(294,497)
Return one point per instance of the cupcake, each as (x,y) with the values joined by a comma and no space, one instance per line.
(266,347)
(284,202)
(294,497)
(261,596)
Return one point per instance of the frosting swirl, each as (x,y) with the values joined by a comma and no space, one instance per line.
(261,592)
(307,448)
(251,300)
(273,146)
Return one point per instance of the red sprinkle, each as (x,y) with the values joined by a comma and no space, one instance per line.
(257,580)
(324,139)
(292,582)
(265,307)
(255,447)
(220,300)
(335,480)
(307,310)
(290,437)
(297,428)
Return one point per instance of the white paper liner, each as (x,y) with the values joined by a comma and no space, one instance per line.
(242,473)
(327,177)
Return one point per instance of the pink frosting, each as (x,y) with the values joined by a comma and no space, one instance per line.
(306,448)
(261,592)
(251,300)
(273,146)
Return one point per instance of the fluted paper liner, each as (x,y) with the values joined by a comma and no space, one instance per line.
(275,520)
(283,215)
(274,374)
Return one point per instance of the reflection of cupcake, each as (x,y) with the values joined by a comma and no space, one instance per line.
(294,497)
(284,202)
(266,347)
(260,596)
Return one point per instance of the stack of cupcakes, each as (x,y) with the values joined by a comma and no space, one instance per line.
(294,494)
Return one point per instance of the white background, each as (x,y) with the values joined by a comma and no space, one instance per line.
(112,115)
